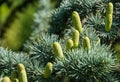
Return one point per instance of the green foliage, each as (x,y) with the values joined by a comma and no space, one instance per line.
(13,26)
(61,17)
(19,29)
(44,50)
(92,13)
(83,66)
(41,20)
(98,58)
(14,76)
(4,11)
(98,23)
(9,59)
(41,48)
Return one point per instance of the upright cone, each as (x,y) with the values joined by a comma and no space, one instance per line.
(87,43)
(6,79)
(76,21)
(109,13)
(75,38)
(58,50)
(22,73)
(48,70)
(109,8)
(69,44)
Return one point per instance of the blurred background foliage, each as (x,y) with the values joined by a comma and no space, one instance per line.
(19,30)
(16,19)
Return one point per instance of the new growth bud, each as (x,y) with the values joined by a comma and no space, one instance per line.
(58,50)
(48,70)
(69,44)
(109,13)
(110,8)
(6,79)
(76,21)
(22,73)
(87,43)
(75,38)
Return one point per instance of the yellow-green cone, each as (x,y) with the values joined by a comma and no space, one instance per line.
(87,43)
(69,44)
(58,50)
(108,22)
(75,38)
(110,8)
(48,70)
(6,79)
(76,21)
(22,73)
(109,13)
